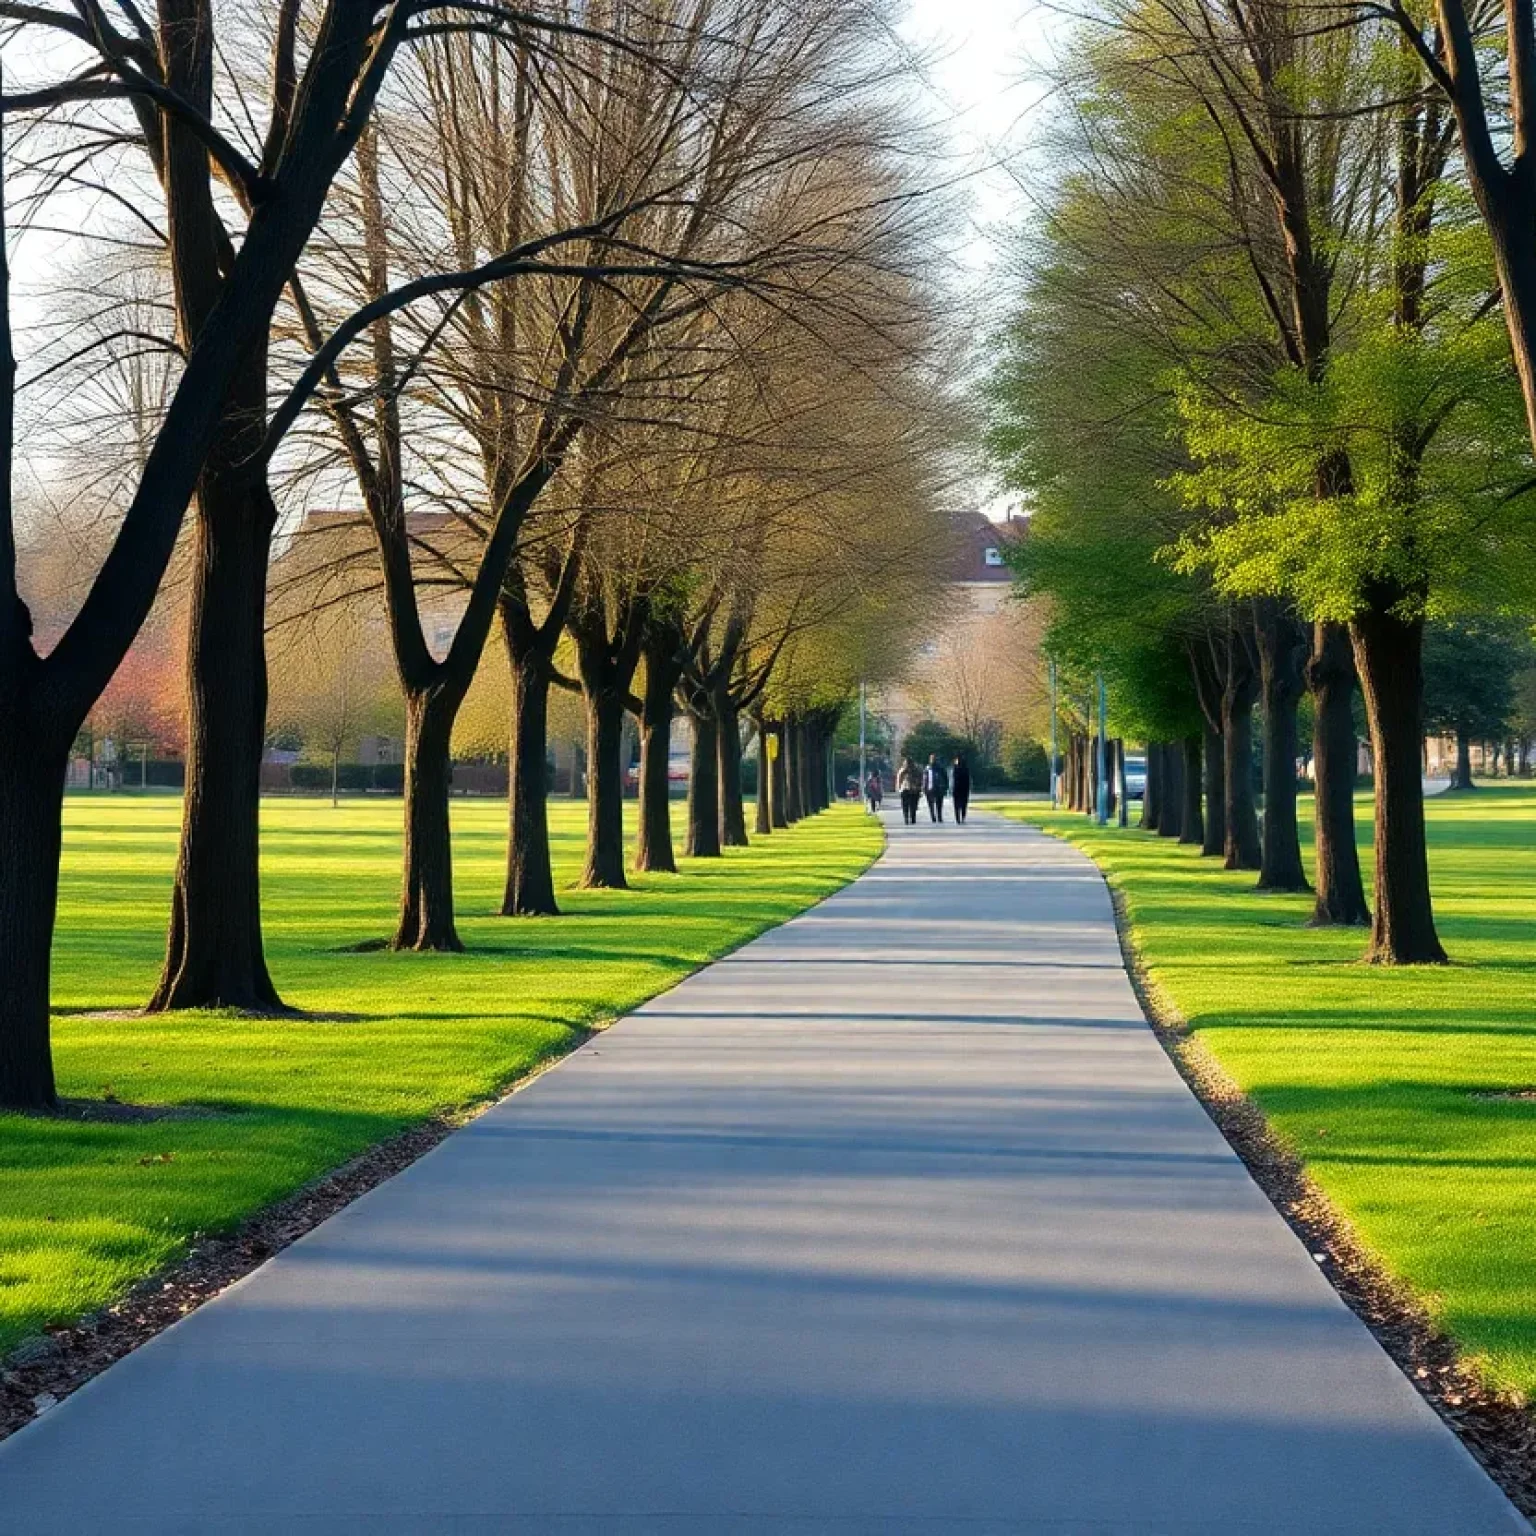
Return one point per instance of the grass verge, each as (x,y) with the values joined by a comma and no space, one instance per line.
(1408,1095)
(388,1041)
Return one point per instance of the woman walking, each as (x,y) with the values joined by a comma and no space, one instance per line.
(909,785)
(874,791)
(960,786)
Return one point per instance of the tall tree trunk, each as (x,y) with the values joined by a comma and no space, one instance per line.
(1152,789)
(1214,830)
(1170,822)
(778,784)
(530,887)
(805,767)
(1123,800)
(733,814)
(31,807)
(653,845)
(426,898)
(1282,647)
(1461,775)
(1389,652)
(794,807)
(604,867)
(704,785)
(1331,677)
(1240,847)
(1192,823)
(214,954)
(763,825)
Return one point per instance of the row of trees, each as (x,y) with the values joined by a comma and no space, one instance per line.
(1266,382)
(607,326)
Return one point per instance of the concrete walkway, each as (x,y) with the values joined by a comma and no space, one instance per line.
(896,1221)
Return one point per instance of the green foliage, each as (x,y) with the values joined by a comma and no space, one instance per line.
(1026,763)
(928,738)
(1405,1092)
(384,1041)
(1470,672)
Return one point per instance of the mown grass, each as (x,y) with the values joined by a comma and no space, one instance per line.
(1380,1079)
(87,1208)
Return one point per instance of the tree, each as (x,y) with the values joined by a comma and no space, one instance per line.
(1470,676)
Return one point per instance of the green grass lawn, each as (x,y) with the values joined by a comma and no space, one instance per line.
(1378,1078)
(87,1208)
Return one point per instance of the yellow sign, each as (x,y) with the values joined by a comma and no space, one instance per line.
(773,747)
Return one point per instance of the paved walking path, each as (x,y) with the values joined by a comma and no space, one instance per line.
(896,1221)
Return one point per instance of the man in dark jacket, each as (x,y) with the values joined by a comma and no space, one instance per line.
(960,786)
(935,787)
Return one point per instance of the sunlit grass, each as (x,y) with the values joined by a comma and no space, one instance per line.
(1379,1078)
(87,1208)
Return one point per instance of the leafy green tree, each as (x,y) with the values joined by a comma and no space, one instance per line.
(1470,676)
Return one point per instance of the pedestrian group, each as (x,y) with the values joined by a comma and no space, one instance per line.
(932,783)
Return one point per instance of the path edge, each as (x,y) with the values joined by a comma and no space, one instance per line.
(1497,1429)
(45,1369)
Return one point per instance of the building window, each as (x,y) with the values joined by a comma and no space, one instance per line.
(992,555)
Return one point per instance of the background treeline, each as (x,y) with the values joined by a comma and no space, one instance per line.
(1266,383)
(502,355)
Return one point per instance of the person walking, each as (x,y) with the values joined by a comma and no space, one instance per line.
(935,787)
(909,785)
(873,791)
(960,786)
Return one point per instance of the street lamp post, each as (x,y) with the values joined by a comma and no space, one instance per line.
(863,778)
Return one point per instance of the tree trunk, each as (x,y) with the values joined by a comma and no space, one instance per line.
(1331,677)
(530,887)
(426,899)
(1192,823)
(1214,830)
(214,955)
(789,757)
(1461,775)
(805,767)
(733,813)
(604,868)
(704,787)
(1152,789)
(1240,846)
(335,777)
(1123,808)
(1170,822)
(1389,652)
(763,825)
(778,787)
(1282,646)
(653,845)
(31,807)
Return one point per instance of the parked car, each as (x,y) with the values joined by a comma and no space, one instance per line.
(1135,776)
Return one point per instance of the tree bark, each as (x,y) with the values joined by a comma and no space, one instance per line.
(1152,789)
(653,845)
(704,785)
(1192,823)
(778,786)
(733,814)
(1389,652)
(1213,832)
(1170,821)
(1331,677)
(805,767)
(1240,846)
(1123,805)
(1282,648)
(763,824)
(426,899)
(604,867)
(31,808)
(214,951)
(1461,775)
(794,807)
(530,887)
